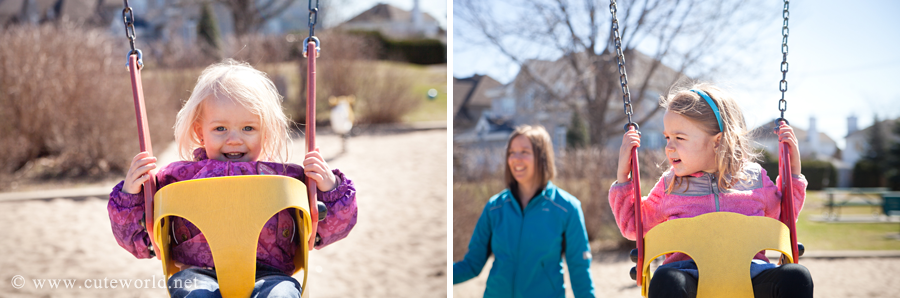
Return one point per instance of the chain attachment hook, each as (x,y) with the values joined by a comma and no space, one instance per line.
(306,41)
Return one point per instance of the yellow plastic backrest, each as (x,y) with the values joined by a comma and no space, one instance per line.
(231,212)
(722,244)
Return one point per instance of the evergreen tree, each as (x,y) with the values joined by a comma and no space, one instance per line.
(208,37)
(577,134)
(870,170)
(893,159)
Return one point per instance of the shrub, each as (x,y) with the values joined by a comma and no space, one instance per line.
(416,51)
(385,94)
(67,104)
(256,49)
(819,173)
(866,174)
(339,71)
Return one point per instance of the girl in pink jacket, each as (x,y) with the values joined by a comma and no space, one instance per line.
(712,170)
(233,124)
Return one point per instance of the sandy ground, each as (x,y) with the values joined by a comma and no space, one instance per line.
(397,249)
(832,277)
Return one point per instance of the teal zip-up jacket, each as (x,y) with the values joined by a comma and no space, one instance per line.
(527,246)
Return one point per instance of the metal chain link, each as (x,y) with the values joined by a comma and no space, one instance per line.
(620,61)
(128,19)
(783,85)
(313,19)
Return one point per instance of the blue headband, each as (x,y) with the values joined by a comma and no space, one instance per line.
(712,105)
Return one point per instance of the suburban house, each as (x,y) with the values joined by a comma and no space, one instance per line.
(95,12)
(168,20)
(522,101)
(813,143)
(857,144)
(396,23)
(819,146)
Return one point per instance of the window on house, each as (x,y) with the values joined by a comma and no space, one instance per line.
(559,138)
(503,107)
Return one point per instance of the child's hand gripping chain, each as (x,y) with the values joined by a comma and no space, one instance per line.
(630,140)
(786,134)
(138,173)
(315,168)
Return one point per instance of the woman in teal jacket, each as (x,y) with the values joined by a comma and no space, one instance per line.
(527,243)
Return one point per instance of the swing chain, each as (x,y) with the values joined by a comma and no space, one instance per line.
(128,19)
(620,62)
(313,19)
(782,85)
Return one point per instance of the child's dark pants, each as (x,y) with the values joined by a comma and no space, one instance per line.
(788,280)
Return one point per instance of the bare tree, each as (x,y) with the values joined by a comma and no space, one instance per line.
(250,15)
(693,37)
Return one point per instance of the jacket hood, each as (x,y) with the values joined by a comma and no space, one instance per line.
(702,183)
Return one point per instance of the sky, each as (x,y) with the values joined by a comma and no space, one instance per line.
(844,60)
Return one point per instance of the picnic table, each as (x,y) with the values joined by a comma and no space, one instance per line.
(854,197)
(891,206)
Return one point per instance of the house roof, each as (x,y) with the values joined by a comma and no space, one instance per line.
(886,125)
(470,91)
(469,99)
(388,13)
(765,133)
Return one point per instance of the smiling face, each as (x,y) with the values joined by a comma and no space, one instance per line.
(521,160)
(689,149)
(229,131)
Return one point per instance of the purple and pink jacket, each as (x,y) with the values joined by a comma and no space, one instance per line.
(277,241)
(699,194)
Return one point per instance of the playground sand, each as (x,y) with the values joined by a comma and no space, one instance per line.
(397,249)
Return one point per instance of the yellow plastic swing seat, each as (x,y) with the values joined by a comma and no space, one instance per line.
(231,212)
(722,244)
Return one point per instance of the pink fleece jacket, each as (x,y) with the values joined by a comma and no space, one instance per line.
(700,194)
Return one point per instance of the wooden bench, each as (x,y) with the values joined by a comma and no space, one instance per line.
(853,197)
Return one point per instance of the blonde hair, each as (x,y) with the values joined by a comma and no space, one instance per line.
(734,148)
(541,146)
(241,83)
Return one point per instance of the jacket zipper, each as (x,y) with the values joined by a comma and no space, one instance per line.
(713,191)
(518,251)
